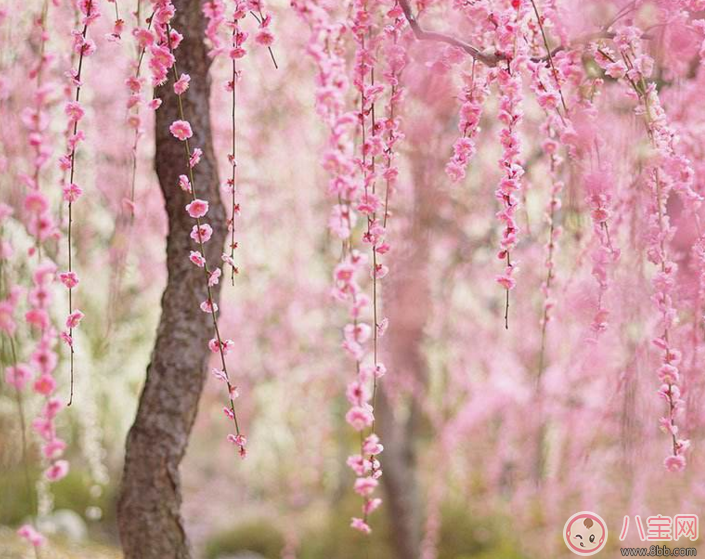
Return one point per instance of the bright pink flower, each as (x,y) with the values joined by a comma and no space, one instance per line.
(37,318)
(69,279)
(197,258)
(72,192)
(45,385)
(58,470)
(28,533)
(239,440)
(181,129)
(74,319)
(264,38)
(197,208)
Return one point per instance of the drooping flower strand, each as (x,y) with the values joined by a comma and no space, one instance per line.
(144,38)
(84,47)
(118,25)
(264,35)
(550,147)
(372,146)
(202,232)
(397,59)
(512,46)
(668,172)
(39,220)
(236,52)
(540,21)
(475,91)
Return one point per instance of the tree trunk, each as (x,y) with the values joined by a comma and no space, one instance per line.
(149,515)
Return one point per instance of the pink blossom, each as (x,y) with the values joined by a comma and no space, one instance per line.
(675,463)
(202,233)
(33,537)
(45,385)
(360,525)
(72,192)
(18,376)
(197,208)
(181,85)
(359,417)
(181,129)
(74,319)
(53,449)
(197,258)
(69,279)
(57,471)
(264,38)
(371,505)
(184,183)
(36,202)
(195,157)
(74,111)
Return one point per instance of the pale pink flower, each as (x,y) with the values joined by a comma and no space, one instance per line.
(372,505)
(18,376)
(359,417)
(202,233)
(675,463)
(195,157)
(74,111)
(360,525)
(53,449)
(184,183)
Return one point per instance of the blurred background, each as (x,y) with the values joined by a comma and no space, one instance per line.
(493,437)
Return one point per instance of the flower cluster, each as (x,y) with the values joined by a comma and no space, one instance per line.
(474,93)
(84,47)
(668,171)
(510,115)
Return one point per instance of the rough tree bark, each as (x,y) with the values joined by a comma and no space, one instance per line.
(149,519)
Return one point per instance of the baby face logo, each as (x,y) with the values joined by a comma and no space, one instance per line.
(585,533)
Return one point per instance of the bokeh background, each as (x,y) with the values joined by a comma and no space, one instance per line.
(491,464)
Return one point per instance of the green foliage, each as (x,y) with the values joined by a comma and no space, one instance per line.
(258,536)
